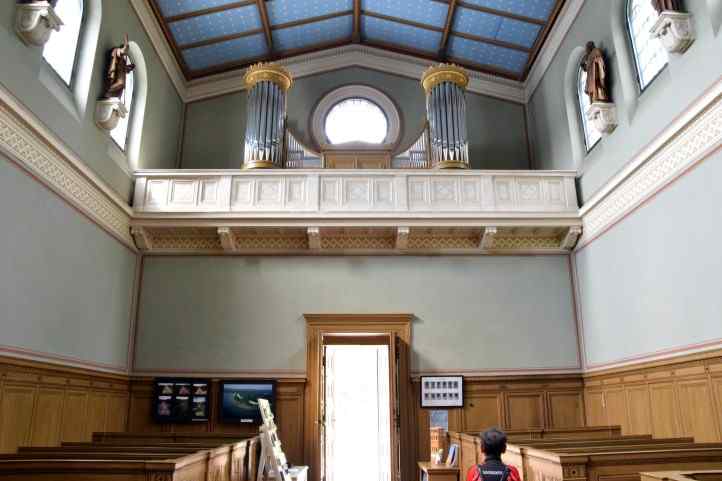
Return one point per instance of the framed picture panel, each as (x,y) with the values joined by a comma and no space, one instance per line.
(442,392)
(181,400)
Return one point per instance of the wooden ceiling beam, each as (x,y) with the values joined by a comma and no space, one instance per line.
(306,21)
(447,29)
(223,38)
(356,21)
(208,11)
(266,24)
(494,11)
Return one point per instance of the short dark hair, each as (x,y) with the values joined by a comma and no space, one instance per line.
(493,442)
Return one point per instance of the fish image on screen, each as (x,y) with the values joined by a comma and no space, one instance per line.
(239,400)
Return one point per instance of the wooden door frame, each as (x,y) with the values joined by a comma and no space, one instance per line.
(317,325)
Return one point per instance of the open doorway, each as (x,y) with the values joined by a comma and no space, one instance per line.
(358,398)
(357,417)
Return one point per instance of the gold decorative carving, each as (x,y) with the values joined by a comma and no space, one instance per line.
(358,242)
(526,242)
(427,242)
(444,72)
(268,72)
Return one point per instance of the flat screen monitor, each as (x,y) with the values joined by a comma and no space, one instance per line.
(181,400)
(239,400)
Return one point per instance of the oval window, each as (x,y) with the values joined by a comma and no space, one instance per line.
(356,120)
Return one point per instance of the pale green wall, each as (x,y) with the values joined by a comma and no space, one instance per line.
(65,285)
(245,313)
(215,128)
(641,119)
(651,282)
(22,68)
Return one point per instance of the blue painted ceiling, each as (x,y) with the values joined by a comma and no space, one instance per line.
(500,37)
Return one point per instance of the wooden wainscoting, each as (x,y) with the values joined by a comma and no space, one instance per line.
(289,414)
(511,403)
(673,398)
(44,404)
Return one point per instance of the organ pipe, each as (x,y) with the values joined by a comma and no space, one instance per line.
(445,87)
(267,85)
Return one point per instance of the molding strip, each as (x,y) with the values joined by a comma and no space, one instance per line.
(56,359)
(223,373)
(31,145)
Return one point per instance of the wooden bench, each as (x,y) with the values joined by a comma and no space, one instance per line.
(127,461)
(620,463)
(715,475)
(145,438)
(470,447)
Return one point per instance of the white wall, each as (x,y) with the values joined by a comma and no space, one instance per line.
(650,284)
(65,285)
(245,313)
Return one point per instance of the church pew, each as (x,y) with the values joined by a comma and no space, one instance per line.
(591,432)
(218,438)
(470,449)
(711,475)
(194,467)
(223,463)
(621,463)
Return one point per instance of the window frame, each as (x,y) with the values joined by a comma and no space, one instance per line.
(631,39)
(357,97)
(580,106)
(366,92)
(74,70)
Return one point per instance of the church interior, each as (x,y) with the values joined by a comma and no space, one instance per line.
(336,240)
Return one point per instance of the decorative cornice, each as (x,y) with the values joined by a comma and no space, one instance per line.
(32,146)
(356,56)
(691,138)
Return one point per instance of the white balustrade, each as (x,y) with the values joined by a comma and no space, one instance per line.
(377,193)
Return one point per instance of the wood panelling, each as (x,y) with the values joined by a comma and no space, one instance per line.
(524,410)
(565,409)
(672,398)
(515,402)
(482,410)
(44,405)
(665,422)
(289,415)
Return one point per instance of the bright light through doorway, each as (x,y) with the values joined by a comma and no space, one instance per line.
(358,421)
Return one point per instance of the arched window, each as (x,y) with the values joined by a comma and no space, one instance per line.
(356,114)
(650,57)
(120,132)
(356,120)
(61,50)
(591,135)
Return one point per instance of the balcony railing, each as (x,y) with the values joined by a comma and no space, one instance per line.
(356,193)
